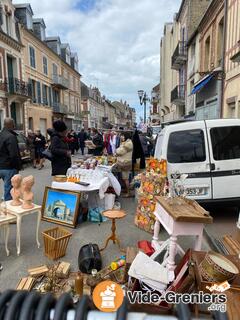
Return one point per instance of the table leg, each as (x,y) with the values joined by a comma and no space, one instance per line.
(198,241)
(6,236)
(18,236)
(37,230)
(172,253)
(156,230)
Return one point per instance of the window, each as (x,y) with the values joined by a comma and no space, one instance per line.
(232,110)
(45,66)
(50,95)
(39,99)
(186,146)
(55,69)
(220,41)
(225,142)
(1,68)
(32,84)
(30,123)
(207,54)
(9,24)
(44,94)
(32,57)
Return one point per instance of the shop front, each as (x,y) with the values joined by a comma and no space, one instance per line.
(208,97)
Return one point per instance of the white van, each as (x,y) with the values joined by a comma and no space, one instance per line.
(209,153)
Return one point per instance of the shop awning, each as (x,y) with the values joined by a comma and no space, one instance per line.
(202,83)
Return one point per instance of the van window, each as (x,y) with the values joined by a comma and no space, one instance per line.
(186,146)
(225,142)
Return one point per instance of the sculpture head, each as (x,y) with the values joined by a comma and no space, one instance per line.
(28,182)
(16,181)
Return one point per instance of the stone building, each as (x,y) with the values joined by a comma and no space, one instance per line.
(166,73)
(210,40)
(14,90)
(187,20)
(92,106)
(231,105)
(155,108)
(51,74)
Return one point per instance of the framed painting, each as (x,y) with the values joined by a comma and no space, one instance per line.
(61,206)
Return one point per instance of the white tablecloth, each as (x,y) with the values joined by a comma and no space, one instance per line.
(100,185)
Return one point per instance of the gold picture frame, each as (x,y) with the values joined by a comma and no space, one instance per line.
(61,206)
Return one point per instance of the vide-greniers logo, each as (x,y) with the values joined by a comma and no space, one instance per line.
(108,296)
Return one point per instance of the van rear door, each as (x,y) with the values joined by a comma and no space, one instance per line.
(224,139)
(187,153)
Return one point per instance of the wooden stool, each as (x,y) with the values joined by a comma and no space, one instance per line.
(113,215)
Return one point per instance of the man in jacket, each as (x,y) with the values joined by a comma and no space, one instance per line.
(10,159)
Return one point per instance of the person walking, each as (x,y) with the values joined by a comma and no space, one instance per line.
(61,155)
(40,144)
(10,159)
(97,140)
(30,145)
(71,141)
(124,159)
(82,137)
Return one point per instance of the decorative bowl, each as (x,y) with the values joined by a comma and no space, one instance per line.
(60,178)
(217,268)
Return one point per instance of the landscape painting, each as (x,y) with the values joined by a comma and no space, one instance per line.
(60,206)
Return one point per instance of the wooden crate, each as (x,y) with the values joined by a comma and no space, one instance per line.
(56,242)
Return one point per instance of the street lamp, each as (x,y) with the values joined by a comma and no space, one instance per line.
(143,101)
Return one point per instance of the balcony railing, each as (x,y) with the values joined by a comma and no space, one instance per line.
(179,56)
(18,87)
(59,107)
(60,82)
(178,95)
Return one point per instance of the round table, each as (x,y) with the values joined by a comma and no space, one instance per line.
(113,215)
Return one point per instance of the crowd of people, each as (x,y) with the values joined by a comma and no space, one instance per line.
(129,148)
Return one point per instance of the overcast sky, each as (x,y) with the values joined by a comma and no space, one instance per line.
(118,41)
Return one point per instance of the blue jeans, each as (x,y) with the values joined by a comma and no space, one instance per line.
(6,175)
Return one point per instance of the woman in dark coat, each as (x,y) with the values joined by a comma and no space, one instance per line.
(97,140)
(39,143)
(61,155)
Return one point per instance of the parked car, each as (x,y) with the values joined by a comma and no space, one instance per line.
(23,147)
(209,153)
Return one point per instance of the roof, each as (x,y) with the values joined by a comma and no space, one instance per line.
(180,10)
(24,6)
(65,45)
(39,20)
(53,39)
(45,44)
(209,9)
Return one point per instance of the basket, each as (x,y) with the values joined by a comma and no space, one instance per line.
(56,242)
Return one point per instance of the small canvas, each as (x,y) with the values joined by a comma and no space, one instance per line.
(61,206)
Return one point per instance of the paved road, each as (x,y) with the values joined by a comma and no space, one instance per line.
(16,267)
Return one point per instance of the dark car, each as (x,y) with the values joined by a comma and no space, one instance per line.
(23,147)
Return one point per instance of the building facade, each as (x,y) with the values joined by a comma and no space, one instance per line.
(208,90)
(231,102)
(155,106)
(92,106)
(14,90)
(47,75)
(187,19)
